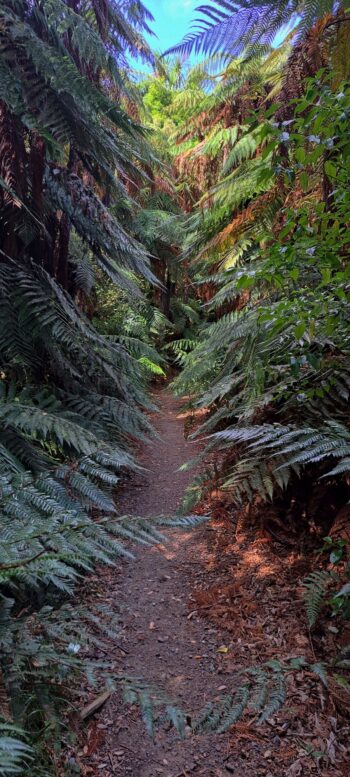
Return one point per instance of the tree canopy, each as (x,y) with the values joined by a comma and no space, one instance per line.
(193,216)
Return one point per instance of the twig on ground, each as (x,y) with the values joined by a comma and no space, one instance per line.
(94,705)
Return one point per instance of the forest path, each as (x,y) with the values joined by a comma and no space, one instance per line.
(219,585)
(167,643)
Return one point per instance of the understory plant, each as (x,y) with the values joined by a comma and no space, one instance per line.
(268,247)
(92,204)
(276,367)
(72,397)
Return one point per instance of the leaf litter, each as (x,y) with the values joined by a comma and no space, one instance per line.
(194,613)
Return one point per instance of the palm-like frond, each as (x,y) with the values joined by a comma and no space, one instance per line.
(232,28)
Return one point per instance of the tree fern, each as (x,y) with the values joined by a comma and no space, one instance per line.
(71,398)
(230,28)
(242,150)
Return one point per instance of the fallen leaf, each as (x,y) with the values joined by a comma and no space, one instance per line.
(95,739)
(301,640)
(223,649)
(295,769)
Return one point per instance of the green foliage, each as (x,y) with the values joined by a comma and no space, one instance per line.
(171,94)
(72,395)
(15,754)
(90,220)
(260,691)
(326,588)
(157,98)
(274,372)
(315,586)
(150,700)
(232,28)
(268,244)
(49,542)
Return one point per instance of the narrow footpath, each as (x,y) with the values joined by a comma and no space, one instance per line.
(166,641)
(207,604)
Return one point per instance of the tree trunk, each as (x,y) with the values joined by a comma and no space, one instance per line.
(13,173)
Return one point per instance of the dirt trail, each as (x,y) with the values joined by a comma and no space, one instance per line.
(166,643)
(220,585)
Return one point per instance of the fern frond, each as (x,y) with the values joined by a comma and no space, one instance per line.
(320,670)
(151,700)
(232,28)
(276,697)
(315,588)
(235,713)
(15,754)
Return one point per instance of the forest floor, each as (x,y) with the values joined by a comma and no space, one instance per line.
(209,602)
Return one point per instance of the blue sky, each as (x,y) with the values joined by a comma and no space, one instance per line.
(172,20)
